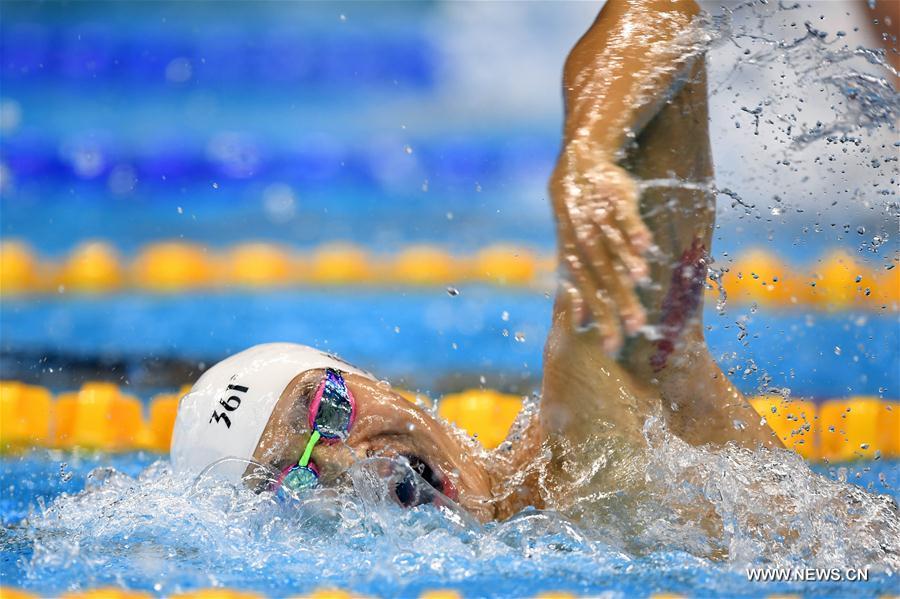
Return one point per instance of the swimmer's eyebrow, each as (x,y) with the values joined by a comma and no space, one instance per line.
(302,395)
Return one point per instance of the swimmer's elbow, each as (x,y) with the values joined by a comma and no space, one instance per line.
(633,15)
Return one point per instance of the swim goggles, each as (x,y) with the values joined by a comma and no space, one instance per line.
(332,412)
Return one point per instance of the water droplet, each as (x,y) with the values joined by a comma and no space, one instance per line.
(861,230)
(504,316)
(180,210)
(343,17)
(520,337)
(408,149)
(397,329)
(215,185)
(452,291)
(837,350)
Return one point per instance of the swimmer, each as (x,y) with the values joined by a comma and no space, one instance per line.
(626,342)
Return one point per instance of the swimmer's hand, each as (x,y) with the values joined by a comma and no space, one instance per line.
(602,241)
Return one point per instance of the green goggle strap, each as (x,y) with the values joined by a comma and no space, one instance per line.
(307,453)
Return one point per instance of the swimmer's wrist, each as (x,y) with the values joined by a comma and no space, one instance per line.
(588,155)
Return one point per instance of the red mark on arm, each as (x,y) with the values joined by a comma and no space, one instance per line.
(681,301)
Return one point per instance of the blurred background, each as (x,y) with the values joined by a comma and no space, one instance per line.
(179,181)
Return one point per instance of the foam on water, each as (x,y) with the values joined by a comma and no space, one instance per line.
(711,511)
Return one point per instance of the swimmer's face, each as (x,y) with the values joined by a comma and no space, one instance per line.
(387,425)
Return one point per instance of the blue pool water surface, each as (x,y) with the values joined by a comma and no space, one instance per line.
(420,338)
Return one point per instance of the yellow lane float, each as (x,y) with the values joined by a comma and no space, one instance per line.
(505,265)
(793,420)
(330,594)
(172,266)
(424,265)
(259,265)
(886,286)
(858,428)
(18,268)
(11,593)
(837,282)
(163,409)
(92,267)
(106,593)
(441,594)
(760,277)
(218,593)
(482,413)
(840,282)
(100,417)
(25,414)
(341,263)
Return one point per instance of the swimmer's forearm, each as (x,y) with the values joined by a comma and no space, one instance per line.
(622,70)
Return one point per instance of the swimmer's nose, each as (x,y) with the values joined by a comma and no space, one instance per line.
(334,460)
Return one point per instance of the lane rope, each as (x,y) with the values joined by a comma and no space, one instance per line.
(837,281)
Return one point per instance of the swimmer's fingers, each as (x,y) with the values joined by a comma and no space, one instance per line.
(628,237)
(615,279)
(628,216)
(583,287)
(625,252)
(597,254)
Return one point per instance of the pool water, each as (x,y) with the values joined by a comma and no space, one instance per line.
(93,520)
(485,332)
(309,123)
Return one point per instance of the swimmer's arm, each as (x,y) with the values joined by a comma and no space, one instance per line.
(616,78)
(623,69)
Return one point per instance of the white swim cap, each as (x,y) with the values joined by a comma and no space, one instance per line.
(226,411)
